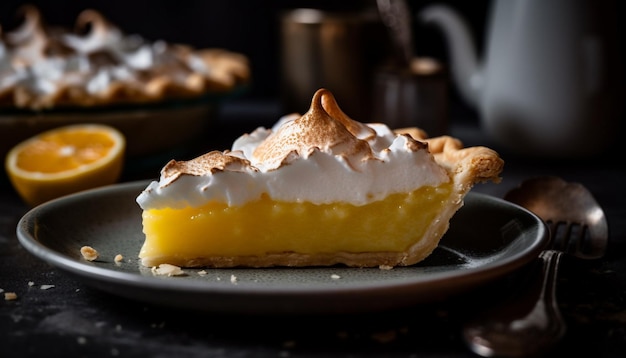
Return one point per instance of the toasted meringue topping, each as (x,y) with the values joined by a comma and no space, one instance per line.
(330,105)
(315,130)
(44,67)
(205,164)
(316,157)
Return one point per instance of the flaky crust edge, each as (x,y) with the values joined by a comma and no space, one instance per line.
(466,166)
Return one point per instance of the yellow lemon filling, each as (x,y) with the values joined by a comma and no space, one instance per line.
(266,226)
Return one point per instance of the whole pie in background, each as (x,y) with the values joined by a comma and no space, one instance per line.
(44,67)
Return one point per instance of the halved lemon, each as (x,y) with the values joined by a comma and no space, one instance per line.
(65,160)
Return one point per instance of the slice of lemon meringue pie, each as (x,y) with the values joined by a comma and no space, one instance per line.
(315,190)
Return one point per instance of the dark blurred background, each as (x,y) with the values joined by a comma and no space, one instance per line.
(253,28)
(245,26)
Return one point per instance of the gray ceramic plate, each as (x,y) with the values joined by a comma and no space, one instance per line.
(488,238)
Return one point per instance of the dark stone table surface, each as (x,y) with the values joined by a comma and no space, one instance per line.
(74,320)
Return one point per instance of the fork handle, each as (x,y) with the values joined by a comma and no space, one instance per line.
(523,325)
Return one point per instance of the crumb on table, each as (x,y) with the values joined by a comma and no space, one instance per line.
(89,253)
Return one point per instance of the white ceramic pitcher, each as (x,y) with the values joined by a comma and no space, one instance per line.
(550,83)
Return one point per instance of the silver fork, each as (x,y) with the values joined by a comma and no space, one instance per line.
(530,325)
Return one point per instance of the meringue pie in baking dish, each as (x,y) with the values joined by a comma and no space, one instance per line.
(45,67)
(317,189)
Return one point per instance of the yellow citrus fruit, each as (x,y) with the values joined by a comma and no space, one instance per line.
(65,160)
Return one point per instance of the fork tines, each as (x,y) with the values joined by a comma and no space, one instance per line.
(568,236)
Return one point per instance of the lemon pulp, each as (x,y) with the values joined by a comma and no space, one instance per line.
(59,151)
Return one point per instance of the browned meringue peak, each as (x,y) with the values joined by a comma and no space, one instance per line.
(227,68)
(99,27)
(31,24)
(33,40)
(209,163)
(359,129)
(29,41)
(315,130)
(98,35)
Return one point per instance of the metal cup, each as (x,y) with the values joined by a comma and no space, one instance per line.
(337,51)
